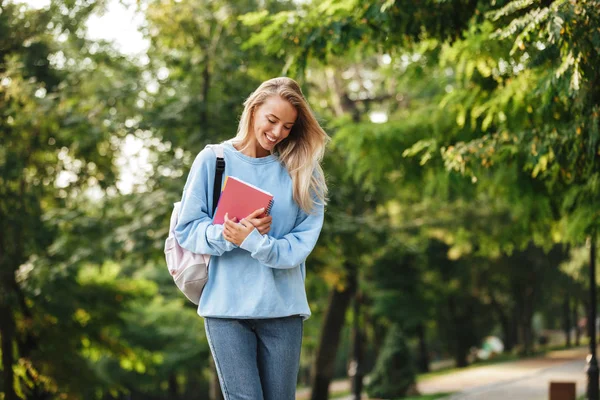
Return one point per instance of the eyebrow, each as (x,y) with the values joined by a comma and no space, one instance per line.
(275,116)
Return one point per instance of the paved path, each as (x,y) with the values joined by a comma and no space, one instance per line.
(516,380)
(530,387)
(525,379)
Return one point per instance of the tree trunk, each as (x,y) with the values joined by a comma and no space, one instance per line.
(586,311)
(378,338)
(507,328)
(524,310)
(576,322)
(356,369)
(514,327)
(423,362)
(205,90)
(460,347)
(330,338)
(7,333)
(567,320)
(372,324)
(173,387)
(526,331)
(336,93)
(7,322)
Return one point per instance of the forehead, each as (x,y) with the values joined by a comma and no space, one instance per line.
(279,107)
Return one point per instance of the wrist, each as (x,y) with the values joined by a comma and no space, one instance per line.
(252,241)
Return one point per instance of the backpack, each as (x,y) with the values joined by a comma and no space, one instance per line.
(190,270)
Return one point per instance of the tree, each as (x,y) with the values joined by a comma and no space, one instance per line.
(393,375)
(56,149)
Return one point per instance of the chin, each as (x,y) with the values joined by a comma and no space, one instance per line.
(268,145)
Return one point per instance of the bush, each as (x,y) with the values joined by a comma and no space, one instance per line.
(394,373)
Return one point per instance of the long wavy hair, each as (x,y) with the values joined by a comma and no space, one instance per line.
(302,151)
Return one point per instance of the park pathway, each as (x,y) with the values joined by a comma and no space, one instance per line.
(515,380)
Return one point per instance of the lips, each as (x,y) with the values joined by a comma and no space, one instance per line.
(270,138)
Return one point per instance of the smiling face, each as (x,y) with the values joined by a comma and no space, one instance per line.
(272,123)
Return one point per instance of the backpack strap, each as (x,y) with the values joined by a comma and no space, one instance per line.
(218,149)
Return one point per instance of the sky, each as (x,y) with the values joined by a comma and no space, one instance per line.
(119,24)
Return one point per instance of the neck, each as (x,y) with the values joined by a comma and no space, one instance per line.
(252,149)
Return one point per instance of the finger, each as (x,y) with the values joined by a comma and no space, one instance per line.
(265,229)
(229,236)
(264,223)
(231,228)
(254,221)
(231,224)
(260,221)
(256,213)
(231,232)
(228,224)
(232,219)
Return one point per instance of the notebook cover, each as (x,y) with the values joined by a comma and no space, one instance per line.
(239,199)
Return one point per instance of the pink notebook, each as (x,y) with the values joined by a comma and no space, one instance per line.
(239,199)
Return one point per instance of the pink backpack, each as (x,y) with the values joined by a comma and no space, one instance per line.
(190,270)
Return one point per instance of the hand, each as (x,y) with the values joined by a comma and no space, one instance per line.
(260,221)
(236,232)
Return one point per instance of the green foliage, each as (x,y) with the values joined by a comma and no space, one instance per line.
(393,374)
(199,70)
(488,159)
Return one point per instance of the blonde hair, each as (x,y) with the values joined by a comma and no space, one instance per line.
(302,151)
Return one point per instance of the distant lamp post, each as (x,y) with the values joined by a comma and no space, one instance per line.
(592,368)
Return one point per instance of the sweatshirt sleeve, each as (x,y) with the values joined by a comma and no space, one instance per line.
(290,250)
(194,230)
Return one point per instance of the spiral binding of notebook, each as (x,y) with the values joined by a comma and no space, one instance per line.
(269,207)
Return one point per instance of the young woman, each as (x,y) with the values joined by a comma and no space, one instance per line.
(255,302)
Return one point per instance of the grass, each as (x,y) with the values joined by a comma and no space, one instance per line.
(337,395)
(502,358)
(434,396)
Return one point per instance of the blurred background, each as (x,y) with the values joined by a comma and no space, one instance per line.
(464,176)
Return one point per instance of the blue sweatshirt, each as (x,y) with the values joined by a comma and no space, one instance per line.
(264,277)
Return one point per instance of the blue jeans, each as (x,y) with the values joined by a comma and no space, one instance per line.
(256,358)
